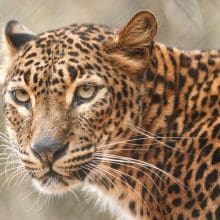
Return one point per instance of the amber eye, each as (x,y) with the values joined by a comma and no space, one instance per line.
(86,91)
(20,96)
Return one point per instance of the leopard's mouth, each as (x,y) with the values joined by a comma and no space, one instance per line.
(52,176)
(53,183)
(60,176)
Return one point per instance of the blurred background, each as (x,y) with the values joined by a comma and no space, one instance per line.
(188,24)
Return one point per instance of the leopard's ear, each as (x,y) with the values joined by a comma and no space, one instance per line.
(15,36)
(138,33)
(131,47)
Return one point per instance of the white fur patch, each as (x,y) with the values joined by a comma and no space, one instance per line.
(106,202)
(103,202)
(53,187)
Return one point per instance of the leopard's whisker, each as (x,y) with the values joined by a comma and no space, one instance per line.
(133,189)
(48,201)
(18,173)
(133,167)
(39,196)
(10,149)
(22,179)
(129,149)
(41,202)
(3,141)
(75,196)
(104,147)
(7,159)
(114,176)
(3,154)
(8,146)
(4,134)
(102,171)
(121,142)
(11,175)
(7,170)
(9,153)
(89,178)
(161,137)
(10,157)
(123,159)
(11,162)
(4,138)
(153,138)
(113,140)
(14,169)
(34,190)
(145,173)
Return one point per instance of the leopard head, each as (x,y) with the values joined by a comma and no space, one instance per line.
(70,92)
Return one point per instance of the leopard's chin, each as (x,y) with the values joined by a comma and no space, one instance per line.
(54,185)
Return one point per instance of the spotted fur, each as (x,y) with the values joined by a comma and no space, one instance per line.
(148,139)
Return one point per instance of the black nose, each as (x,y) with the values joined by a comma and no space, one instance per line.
(48,150)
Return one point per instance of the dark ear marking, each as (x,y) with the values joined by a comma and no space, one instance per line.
(17,34)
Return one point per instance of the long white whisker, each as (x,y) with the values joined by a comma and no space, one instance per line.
(29,194)
(24,175)
(141,184)
(75,196)
(4,135)
(7,170)
(102,171)
(8,179)
(10,163)
(121,142)
(130,149)
(149,176)
(123,159)
(4,139)
(134,128)
(35,203)
(16,175)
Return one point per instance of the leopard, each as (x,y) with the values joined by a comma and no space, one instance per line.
(117,114)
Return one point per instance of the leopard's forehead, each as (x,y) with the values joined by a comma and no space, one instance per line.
(84,38)
(58,56)
(73,44)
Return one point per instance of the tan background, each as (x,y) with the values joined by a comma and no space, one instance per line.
(183,23)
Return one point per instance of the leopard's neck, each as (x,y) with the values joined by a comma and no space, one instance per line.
(172,101)
(174,83)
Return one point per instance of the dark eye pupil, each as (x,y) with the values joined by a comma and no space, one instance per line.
(86,88)
(23,92)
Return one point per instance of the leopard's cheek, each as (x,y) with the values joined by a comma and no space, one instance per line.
(125,108)
(18,127)
(97,115)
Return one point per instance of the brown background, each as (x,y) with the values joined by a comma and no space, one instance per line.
(187,24)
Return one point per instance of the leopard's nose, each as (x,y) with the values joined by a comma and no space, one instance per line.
(48,150)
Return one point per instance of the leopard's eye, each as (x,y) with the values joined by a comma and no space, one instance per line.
(86,92)
(20,96)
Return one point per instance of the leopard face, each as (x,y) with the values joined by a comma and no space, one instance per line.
(65,97)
